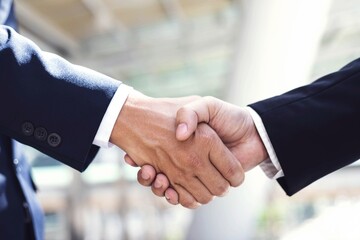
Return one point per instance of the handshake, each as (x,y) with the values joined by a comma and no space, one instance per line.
(190,149)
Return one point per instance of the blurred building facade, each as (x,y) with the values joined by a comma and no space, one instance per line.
(237,50)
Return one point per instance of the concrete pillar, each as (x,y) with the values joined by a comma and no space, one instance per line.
(276,46)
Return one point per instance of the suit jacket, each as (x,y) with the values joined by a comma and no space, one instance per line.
(49,104)
(315,129)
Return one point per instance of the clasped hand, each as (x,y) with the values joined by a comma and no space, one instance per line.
(190,149)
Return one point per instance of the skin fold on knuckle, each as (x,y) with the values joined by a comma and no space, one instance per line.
(234,174)
(205,136)
(206,199)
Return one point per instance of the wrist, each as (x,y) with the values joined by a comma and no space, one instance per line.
(130,118)
(259,151)
(260,146)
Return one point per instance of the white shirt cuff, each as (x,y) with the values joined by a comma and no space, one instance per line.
(102,137)
(270,166)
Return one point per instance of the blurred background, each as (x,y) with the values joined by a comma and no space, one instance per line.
(237,50)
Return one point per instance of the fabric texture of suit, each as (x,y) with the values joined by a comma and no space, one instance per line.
(49,104)
(315,129)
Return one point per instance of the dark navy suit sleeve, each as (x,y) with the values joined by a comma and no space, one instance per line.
(48,103)
(315,129)
(3,200)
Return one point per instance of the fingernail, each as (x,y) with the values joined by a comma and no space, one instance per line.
(167,196)
(195,205)
(157,184)
(145,176)
(182,128)
(225,193)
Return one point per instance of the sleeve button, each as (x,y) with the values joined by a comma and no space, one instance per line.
(40,134)
(27,128)
(54,140)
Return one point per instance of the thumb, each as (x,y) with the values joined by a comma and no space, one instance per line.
(190,115)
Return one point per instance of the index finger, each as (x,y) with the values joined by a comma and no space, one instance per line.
(223,160)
